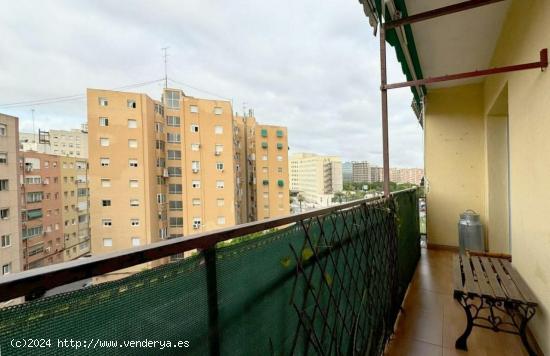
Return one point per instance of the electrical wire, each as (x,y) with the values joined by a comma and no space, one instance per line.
(199,89)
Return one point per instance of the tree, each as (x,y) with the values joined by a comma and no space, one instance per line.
(338,197)
(300,200)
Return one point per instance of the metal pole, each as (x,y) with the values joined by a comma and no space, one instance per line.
(384,92)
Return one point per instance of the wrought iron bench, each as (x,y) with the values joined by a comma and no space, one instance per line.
(493,295)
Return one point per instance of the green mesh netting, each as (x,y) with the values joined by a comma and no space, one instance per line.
(331,284)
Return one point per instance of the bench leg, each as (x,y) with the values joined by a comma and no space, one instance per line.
(461,341)
(523,334)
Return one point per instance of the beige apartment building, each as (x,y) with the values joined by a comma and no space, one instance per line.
(169,168)
(406,175)
(71,143)
(10,225)
(261,165)
(316,177)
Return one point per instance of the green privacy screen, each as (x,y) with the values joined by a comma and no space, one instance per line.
(331,284)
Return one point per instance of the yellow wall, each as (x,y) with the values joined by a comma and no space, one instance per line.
(454,159)
(526,31)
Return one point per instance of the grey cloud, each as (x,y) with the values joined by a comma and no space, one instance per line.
(310,65)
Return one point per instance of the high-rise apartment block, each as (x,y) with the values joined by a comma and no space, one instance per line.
(10,225)
(347,172)
(262,169)
(54,208)
(174,167)
(71,143)
(316,177)
(406,175)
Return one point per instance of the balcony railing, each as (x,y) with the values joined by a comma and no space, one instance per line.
(328,281)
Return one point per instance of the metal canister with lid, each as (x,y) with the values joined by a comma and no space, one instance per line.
(470,232)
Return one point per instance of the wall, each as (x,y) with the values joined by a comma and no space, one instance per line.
(526,31)
(454,159)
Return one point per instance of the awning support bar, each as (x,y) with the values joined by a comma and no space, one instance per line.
(542,64)
(447,10)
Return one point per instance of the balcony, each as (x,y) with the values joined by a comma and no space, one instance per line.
(326,281)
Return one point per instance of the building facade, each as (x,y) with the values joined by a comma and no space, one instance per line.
(262,186)
(406,175)
(316,177)
(41,210)
(170,168)
(10,224)
(71,143)
(347,172)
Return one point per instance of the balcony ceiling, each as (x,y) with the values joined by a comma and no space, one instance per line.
(459,42)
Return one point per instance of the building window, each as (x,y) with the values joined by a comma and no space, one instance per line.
(161,162)
(264,144)
(106,202)
(132,124)
(218,149)
(132,143)
(103,141)
(173,99)
(173,121)
(134,222)
(196,202)
(6,269)
(5,241)
(173,137)
(105,183)
(133,163)
(3,130)
(279,133)
(281,183)
(279,146)
(218,111)
(159,109)
(106,222)
(219,166)
(221,220)
(265,182)
(194,128)
(280,170)
(103,121)
(161,198)
(218,130)
(280,158)
(174,188)
(104,162)
(4,185)
(131,104)
(220,202)
(134,202)
(195,166)
(196,184)
(32,197)
(174,155)
(3,158)
(160,145)
(159,127)
(195,146)
(264,158)
(174,171)
(107,242)
(176,221)
(264,132)
(103,102)
(264,170)
(136,241)
(175,205)
(194,109)
(196,223)
(33,231)
(220,184)
(133,183)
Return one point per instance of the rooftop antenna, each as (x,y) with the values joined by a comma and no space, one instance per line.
(244,109)
(165,50)
(33,130)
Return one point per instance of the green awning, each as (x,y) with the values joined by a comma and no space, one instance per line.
(34,214)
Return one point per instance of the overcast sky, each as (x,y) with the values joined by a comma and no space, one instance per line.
(310,65)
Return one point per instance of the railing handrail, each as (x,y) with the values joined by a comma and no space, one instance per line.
(48,277)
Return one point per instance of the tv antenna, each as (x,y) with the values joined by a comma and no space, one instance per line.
(165,50)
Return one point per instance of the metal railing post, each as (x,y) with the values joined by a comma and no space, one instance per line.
(212,291)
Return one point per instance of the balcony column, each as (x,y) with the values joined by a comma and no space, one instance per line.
(384,92)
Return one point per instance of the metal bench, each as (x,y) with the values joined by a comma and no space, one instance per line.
(493,295)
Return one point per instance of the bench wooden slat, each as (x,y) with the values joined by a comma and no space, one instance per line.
(510,288)
(482,281)
(520,283)
(471,284)
(491,275)
(457,275)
